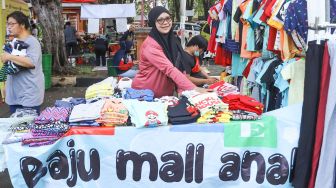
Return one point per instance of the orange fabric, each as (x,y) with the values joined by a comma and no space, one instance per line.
(243,52)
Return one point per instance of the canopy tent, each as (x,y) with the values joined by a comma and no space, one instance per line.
(108,11)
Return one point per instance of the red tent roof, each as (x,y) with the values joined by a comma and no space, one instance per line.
(79,1)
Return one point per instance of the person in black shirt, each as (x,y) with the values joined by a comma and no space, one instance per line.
(191,62)
(101,47)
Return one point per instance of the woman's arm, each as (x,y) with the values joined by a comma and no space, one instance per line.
(158,59)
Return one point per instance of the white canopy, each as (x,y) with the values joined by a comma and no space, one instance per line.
(108,11)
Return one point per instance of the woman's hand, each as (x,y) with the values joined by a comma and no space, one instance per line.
(203,90)
(211,80)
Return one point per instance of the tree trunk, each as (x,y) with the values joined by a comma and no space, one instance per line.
(50,18)
(177,9)
(190,6)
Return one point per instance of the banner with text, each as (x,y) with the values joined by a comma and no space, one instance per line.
(238,154)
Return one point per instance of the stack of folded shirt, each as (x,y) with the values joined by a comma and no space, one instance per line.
(222,88)
(113,113)
(147,114)
(101,89)
(141,94)
(86,114)
(244,115)
(169,100)
(69,102)
(208,102)
(183,112)
(45,134)
(244,103)
(53,114)
(215,117)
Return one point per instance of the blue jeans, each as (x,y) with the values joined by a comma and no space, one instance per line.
(12,108)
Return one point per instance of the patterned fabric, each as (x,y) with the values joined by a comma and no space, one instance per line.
(183,112)
(296,21)
(141,94)
(53,114)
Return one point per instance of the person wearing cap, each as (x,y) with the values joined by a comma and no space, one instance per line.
(159,53)
(191,62)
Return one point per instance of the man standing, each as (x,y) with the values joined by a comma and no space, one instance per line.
(70,35)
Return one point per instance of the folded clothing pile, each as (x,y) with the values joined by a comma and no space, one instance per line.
(183,112)
(101,89)
(243,102)
(244,115)
(215,117)
(140,94)
(53,114)
(222,88)
(208,102)
(45,134)
(147,114)
(86,114)
(113,113)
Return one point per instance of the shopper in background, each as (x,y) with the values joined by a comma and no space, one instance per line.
(25,89)
(70,35)
(101,46)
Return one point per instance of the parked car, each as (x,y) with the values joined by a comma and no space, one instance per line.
(195,29)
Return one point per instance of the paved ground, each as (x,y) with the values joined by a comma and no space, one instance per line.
(55,93)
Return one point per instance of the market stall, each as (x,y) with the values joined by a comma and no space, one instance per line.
(237,154)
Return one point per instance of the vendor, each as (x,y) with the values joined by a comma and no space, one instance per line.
(159,53)
(123,61)
(25,89)
(191,62)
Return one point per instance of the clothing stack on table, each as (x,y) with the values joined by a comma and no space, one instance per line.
(244,107)
(48,127)
(183,112)
(101,89)
(212,109)
(222,88)
(140,94)
(113,113)
(44,134)
(86,114)
(147,114)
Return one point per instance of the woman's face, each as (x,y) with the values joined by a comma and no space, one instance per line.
(14,27)
(163,23)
